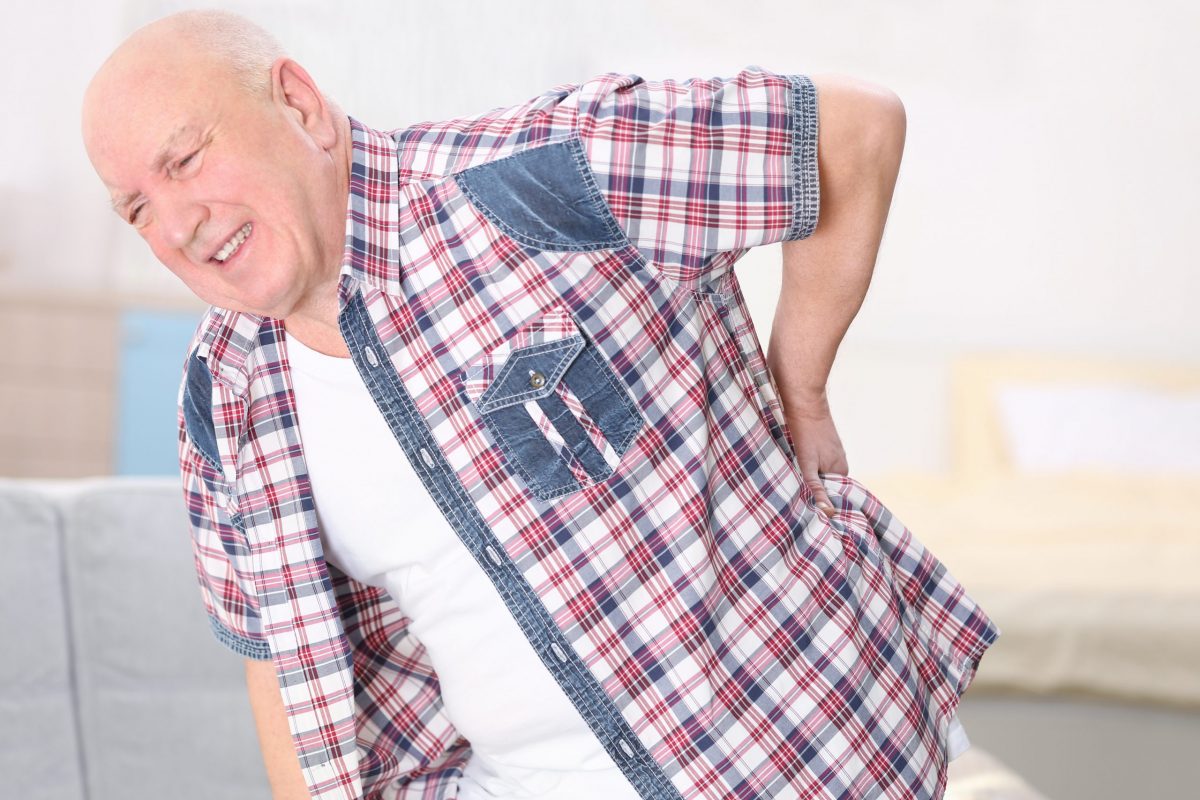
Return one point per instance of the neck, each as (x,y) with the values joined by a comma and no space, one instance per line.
(318,335)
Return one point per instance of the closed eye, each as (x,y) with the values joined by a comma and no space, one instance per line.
(182,164)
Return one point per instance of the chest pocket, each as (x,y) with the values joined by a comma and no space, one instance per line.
(554,404)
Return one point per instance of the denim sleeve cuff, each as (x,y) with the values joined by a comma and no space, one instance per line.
(242,645)
(806,191)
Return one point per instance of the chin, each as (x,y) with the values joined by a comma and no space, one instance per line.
(230,304)
(279,309)
(267,304)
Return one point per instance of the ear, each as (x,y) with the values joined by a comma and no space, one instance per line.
(295,90)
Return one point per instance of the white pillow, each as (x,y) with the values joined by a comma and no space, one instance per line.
(1105,427)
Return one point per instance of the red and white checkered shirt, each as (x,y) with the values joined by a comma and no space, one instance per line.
(541,299)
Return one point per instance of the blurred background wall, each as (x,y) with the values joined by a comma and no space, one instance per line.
(1046,200)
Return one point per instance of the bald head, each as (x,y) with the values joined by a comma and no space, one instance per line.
(226,157)
(190,53)
(242,48)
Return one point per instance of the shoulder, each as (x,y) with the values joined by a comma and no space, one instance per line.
(223,342)
(435,149)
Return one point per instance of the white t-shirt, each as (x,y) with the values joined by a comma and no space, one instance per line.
(382,528)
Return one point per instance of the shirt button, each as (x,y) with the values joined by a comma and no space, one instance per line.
(428,459)
(537,380)
(371,357)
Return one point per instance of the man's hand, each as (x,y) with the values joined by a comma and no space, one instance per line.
(818,446)
(860,141)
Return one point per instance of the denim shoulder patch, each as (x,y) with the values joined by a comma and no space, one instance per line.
(545,197)
(197,409)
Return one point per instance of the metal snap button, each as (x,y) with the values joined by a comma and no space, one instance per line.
(536,379)
(371,357)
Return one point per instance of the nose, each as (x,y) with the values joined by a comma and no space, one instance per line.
(180,219)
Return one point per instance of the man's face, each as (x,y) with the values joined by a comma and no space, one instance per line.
(229,189)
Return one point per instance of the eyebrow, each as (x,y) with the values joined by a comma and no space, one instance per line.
(120,201)
(164,152)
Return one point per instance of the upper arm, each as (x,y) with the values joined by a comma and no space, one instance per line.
(702,168)
(217,541)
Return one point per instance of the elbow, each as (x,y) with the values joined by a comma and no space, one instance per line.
(882,125)
(862,124)
(890,125)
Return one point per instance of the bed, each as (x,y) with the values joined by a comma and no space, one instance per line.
(1072,516)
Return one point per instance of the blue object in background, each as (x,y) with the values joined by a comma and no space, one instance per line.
(153,348)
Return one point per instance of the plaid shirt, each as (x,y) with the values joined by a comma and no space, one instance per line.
(541,301)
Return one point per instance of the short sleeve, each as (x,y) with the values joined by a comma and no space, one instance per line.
(698,171)
(231,606)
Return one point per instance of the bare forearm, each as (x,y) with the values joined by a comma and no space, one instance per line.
(825,277)
(275,739)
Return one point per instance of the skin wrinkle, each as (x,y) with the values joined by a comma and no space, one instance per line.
(169,151)
(268,149)
(169,147)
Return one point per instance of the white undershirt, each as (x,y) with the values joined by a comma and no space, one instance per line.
(382,528)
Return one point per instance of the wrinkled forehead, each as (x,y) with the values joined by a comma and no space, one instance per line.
(135,110)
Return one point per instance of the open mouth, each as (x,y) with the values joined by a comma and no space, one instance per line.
(234,246)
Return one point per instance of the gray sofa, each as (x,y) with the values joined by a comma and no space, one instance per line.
(113,686)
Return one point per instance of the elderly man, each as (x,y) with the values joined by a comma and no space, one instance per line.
(488,477)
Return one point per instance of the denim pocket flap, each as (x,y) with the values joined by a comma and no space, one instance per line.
(530,372)
(553,404)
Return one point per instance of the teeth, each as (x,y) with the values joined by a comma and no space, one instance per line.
(233,244)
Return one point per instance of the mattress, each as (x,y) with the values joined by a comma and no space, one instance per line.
(1094,579)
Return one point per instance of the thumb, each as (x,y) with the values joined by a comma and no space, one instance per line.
(820,498)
